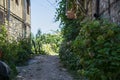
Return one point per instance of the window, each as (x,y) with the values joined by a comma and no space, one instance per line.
(17,2)
(28,6)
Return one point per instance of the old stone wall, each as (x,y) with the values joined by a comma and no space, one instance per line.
(18,29)
(109,9)
(17,8)
(20,9)
(28,31)
(1,2)
(15,28)
(18,19)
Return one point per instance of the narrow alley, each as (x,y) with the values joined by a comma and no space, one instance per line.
(43,67)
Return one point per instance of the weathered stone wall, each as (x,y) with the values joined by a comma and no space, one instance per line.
(109,9)
(17,9)
(28,14)
(20,10)
(28,31)
(1,2)
(18,29)
(19,23)
(15,28)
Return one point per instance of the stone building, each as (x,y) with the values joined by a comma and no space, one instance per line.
(109,9)
(15,14)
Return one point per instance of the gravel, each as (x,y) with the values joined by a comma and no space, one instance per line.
(43,67)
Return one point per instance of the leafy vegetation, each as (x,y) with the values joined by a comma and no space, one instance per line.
(91,47)
(37,43)
(97,46)
(13,52)
(46,43)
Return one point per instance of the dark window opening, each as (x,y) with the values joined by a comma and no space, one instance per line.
(28,6)
(17,2)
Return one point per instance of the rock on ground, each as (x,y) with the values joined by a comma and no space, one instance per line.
(43,67)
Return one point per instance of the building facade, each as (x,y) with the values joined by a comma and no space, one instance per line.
(16,16)
(94,9)
(109,9)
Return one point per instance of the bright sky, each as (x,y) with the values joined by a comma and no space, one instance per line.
(42,16)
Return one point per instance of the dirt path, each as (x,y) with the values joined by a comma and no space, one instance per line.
(43,67)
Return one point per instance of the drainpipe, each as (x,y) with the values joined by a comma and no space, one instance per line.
(4,11)
(8,17)
(24,19)
(30,18)
(24,12)
(8,11)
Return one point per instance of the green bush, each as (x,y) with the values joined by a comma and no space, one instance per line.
(94,53)
(13,52)
(68,57)
(8,51)
(24,51)
(98,48)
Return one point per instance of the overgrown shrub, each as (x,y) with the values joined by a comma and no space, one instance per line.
(94,45)
(46,43)
(94,53)
(68,57)
(8,53)
(98,48)
(13,52)
(24,51)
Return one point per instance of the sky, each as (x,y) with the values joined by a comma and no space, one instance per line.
(42,16)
